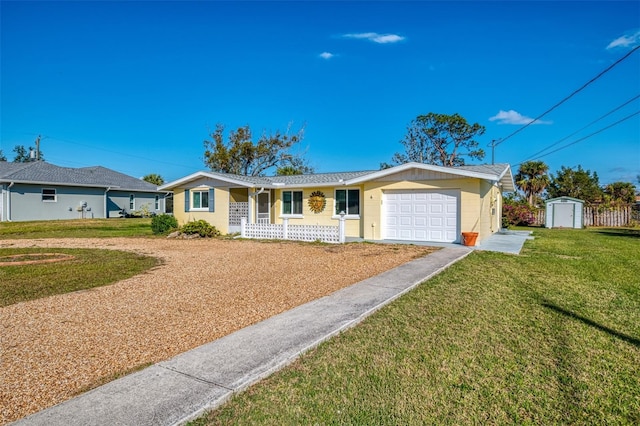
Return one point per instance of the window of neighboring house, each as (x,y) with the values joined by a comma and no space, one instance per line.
(49,195)
(348,201)
(157,204)
(292,202)
(200,199)
(132,202)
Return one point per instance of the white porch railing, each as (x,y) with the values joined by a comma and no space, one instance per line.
(284,231)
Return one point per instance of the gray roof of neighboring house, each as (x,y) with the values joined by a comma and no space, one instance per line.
(41,172)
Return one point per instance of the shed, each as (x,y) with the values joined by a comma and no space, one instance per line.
(564,212)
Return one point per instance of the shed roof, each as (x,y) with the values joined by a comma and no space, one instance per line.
(565,199)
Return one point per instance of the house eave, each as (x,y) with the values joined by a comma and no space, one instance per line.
(421,166)
(206,175)
(35,182)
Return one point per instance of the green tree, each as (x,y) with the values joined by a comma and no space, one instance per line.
(620,192)
(241,155)
(153,178)
(297,166)
(2,157)
(23,155)
(440,139)
(579,183)
(532,179)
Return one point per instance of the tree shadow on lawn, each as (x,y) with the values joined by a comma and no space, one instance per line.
(626,338)
(620,232)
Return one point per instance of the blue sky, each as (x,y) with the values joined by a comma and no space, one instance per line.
(138,86)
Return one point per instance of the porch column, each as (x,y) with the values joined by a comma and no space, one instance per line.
(341,231)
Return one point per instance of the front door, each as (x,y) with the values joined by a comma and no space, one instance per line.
(263,212)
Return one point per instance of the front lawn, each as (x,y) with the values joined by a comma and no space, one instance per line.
(87,268)
(77,228)
(548,337)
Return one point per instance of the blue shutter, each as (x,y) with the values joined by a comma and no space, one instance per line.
(186,200)
(211,200)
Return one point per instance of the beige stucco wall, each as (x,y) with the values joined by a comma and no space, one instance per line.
(479,209)
(218,218)
(474,209)
(326,216)
(238,195)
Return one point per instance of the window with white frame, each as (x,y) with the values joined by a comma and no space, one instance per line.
(348,201)
(49,195)
(132,202)
(200,199)
(291,202)
(157,203)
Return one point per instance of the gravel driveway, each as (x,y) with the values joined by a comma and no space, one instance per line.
(59,346)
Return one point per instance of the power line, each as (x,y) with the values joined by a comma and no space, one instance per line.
(568,97)
(588,136)
(118,153)
(582,128)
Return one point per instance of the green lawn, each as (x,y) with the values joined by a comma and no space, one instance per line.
(79,228)
(88,269)
(548,337)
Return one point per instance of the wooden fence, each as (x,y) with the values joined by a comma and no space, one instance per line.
(595,216)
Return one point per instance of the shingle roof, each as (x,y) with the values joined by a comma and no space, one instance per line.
(318,178)
(495,171)
(44,173)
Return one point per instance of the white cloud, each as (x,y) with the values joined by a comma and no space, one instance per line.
(514,117)
(627,40)
(376,38)
(326,55)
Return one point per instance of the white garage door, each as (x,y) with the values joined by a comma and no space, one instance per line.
(421,215)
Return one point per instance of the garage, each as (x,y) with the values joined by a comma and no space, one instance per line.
(418,215)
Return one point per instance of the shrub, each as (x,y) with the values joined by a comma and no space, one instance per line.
(517,214)
(200,227)
(163,224)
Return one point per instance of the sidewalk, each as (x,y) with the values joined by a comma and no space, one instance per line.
(184,387)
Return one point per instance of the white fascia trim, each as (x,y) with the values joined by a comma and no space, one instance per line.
(422,166)
(199,175)
(511,184)
(294,186)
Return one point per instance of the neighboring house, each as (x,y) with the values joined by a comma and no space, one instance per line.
(413,201)
(42,191)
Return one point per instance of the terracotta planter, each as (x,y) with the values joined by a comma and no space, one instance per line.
(469,238)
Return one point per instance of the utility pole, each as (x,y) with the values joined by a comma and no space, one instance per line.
(493,150)
(38,148)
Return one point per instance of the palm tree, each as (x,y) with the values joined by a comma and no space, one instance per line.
(153,178)
(532,179)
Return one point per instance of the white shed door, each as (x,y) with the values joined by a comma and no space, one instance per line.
(563,215)
(421,215)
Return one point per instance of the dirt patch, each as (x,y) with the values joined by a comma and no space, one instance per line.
(55,347)
(34,258)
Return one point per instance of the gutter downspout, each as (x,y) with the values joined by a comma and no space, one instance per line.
(106,212)
(9,201)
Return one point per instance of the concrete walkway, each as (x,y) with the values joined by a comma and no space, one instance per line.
(505,241)
(182,388)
